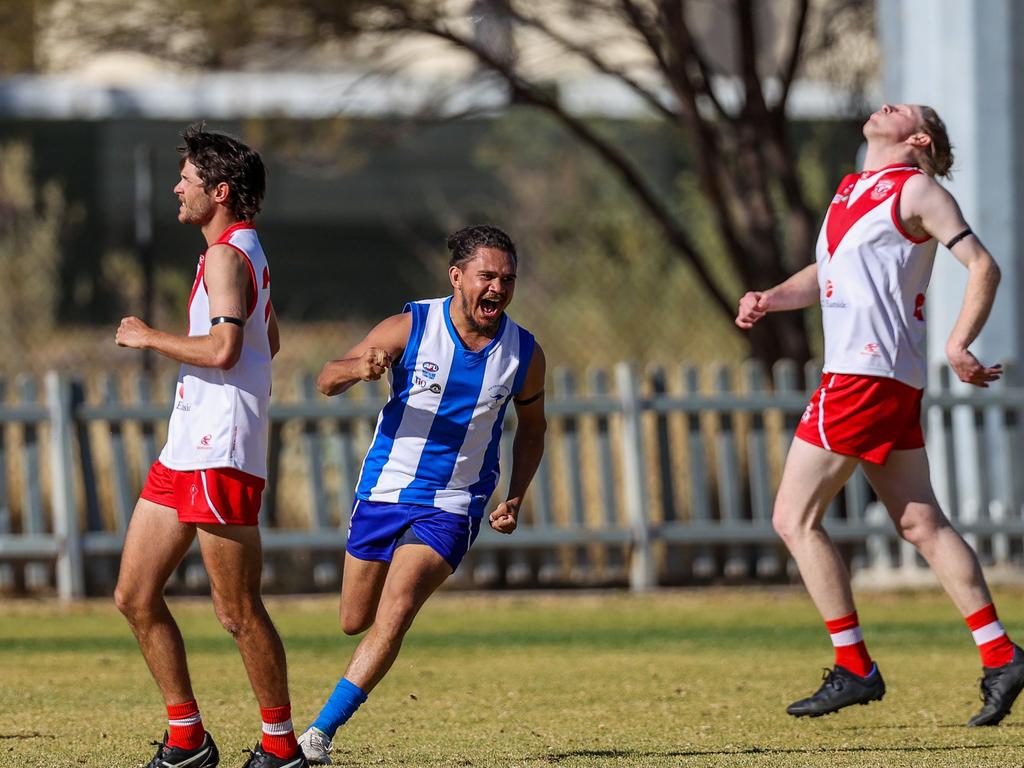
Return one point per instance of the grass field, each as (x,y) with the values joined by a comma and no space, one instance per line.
(681,678)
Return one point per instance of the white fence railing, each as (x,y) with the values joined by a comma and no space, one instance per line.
(654,477)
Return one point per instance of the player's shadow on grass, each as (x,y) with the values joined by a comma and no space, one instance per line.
(623,754)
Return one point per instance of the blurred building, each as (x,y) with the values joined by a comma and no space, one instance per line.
(371,143)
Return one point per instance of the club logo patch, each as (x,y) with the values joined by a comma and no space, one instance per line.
(497,395)
(871,349)
(882,189)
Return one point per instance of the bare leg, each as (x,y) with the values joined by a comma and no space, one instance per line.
(361,587)
(154,545)
(234,560)
(904,486)
(416,571)
(811,479)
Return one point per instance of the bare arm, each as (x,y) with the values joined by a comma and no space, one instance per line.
(927,208)
(528,447)
(227,280)
(797,292)
(370,358)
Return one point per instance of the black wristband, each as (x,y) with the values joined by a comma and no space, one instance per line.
(226,319)
(958,238)
(529,400)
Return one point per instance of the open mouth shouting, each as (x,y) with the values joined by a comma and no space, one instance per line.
(490,307)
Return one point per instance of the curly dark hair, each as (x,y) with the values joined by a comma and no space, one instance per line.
(464,243)
(220,158)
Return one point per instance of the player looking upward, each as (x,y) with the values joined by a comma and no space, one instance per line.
(455,364)
(874,259)
(208,481)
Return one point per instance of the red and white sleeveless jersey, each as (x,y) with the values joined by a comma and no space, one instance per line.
(872,276)
(220,417)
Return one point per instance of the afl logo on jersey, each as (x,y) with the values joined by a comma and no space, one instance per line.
(828,289)
(919,307)
(882,189)
(430,370)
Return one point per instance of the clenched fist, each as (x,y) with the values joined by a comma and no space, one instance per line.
(132,332)
(753,306)
(373,363)
(504,518)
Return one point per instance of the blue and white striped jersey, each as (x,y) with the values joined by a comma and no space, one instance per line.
(436,441)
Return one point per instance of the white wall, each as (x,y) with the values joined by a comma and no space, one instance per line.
(958,56)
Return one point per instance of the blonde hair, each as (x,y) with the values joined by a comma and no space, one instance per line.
(937,158)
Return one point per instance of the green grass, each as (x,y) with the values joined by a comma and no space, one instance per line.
(681,678)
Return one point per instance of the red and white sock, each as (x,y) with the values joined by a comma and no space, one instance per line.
(184,725)
(278,734)
(993,643)
(848,641)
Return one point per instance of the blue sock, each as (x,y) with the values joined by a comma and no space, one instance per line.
(341,705)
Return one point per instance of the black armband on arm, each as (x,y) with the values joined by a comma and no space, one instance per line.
(226,319)
(529,400)
(958,238)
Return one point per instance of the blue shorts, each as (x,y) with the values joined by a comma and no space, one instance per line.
(376,529)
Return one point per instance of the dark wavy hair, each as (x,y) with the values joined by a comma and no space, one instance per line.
(220,158)
(464,243)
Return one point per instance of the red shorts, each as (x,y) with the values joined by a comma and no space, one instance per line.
(223,496)
(863,416)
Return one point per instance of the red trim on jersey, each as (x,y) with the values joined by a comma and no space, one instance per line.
(227,233)
(200,276)
(896,217)
(254,293)
(891,167)
(842,216)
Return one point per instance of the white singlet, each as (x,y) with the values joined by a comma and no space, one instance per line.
(220,417)
(872,277)
(438,437)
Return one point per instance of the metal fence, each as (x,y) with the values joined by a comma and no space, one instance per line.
(650,477)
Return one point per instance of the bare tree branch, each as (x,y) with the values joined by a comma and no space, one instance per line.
(598,63)
(792,61)
(617,161)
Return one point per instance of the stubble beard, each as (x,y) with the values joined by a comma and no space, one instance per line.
(483,330)
(198,214)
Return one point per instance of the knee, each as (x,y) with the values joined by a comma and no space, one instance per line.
(787,526)
(920,530)
(236,615)
(134,604)
(355,623)
(396,619)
